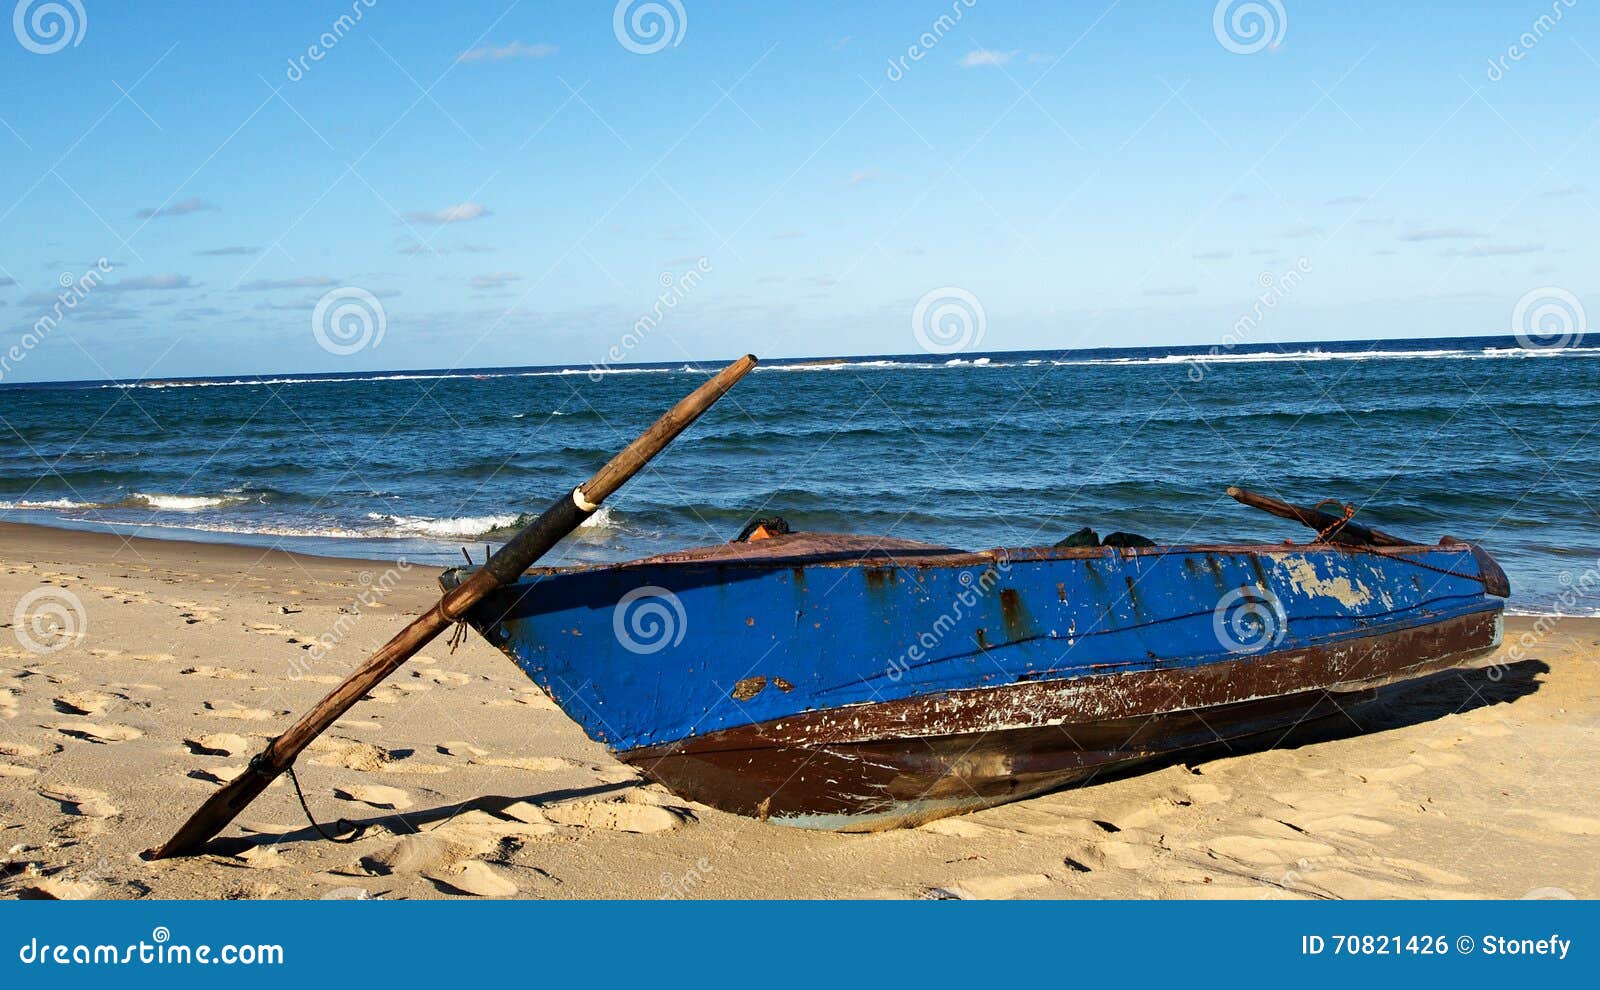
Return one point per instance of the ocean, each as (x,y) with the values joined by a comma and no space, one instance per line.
(1476,438)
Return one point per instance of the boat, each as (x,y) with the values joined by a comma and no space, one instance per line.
(858,683)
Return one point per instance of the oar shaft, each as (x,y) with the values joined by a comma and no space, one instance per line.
(1339,529)
(505,565)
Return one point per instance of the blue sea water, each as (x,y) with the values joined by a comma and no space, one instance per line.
(1476,438)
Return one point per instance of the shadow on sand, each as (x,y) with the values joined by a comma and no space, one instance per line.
(1428,698)
(1448,692)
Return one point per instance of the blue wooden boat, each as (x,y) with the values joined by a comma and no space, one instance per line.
(845,682)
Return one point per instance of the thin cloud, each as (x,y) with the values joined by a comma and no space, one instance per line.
(5,281)
(228,252)
(861,175)
(182,208)
(1213,255)
(980,58)
(1297,233)
(1172,290)
(149,283)
(459,213)
(302,282)
(1564,191)
(1494,250)
(788,235)
(1346,201)
(499,53)
(493,280)
(1440,234)
(411,247)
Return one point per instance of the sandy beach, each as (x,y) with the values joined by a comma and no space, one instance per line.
(187,656)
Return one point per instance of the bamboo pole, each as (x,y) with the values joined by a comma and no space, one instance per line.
(504,566)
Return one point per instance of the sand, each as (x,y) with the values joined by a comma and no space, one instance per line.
(469,783)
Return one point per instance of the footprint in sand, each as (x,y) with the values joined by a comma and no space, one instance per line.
(218,775)
(80,801)
(476,878)
(958,828)
(57,888)
(460,749)
(537,764)
(221,673)
(1558,822)
(217,744)
(27,750)
(390,694)
(99,733)
(1264,851)
(353,754)
(1350,824)
(376,795)
(152,657)
(1110,854)
(989,888)
(1388,775)
(530,699)
(422,852)
(87,702)
(617,816)
(442,676)
(232,709)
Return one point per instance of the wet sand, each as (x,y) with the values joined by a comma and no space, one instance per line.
(469,782)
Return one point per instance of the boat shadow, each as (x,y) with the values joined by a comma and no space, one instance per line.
(1426,699)
(407,822)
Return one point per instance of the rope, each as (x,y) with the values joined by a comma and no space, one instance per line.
(1349,513)
(1358,548)
(342,823)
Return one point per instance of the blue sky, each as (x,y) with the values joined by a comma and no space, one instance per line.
(512,184)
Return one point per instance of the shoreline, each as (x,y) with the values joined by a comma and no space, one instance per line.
(469,782)
(95,530)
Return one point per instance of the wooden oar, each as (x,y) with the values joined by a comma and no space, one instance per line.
(1337,528)
(504,566)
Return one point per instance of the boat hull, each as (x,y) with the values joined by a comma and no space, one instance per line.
(844,683)
(900,764)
